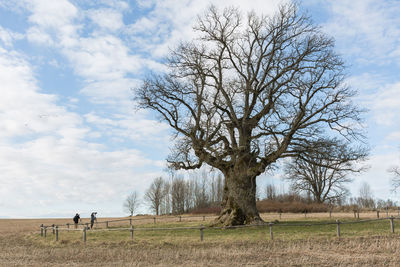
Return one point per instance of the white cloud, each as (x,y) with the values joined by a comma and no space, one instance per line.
(102,57)
(137,128)
(8,37)
(366,29)
(45,158)
(378,176)
(385,104)
(52,14)
(108,19)
(394,136)
(170,22)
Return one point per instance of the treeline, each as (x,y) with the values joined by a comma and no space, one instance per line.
(200,193)
(292,201)
(203,192)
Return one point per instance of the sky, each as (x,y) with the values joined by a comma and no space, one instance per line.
(71,139)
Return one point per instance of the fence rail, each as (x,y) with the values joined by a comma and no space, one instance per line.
(132,220)
(202,228)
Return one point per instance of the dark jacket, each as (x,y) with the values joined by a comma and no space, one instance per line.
(76,218)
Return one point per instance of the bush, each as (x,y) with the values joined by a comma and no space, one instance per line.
(290,206)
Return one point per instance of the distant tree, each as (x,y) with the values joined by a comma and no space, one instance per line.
(270,192)
(131,203)
(178,195)
(189,195)
(321,169)
(246,93)
(366,197)
(166,207)
(382,204)
(201,196)
(396,177)
(155,194)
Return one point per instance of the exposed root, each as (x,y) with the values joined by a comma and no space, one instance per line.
(230,217)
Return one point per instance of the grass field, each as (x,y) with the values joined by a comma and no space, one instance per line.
(366,244)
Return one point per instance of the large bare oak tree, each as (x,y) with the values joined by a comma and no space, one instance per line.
(247,92)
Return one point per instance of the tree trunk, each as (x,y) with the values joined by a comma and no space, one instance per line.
(239,200)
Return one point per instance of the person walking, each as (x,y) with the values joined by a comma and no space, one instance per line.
(92,219)
(76,220)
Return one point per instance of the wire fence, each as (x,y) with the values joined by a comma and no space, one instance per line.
(271,225)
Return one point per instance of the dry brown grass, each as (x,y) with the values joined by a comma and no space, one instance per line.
(18,248)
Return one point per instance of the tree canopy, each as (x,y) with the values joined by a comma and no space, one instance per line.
(247,92)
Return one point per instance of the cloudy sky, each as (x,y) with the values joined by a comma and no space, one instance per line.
(70,138)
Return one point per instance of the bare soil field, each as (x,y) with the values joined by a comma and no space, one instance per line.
(19,246)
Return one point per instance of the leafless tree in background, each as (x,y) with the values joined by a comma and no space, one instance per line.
(131,203)
(178,195)
(248,92)
(189,195)
(396,177)
(166,205)
(155,194)
(322,169)
(366,197)
(201,194)
(270,192)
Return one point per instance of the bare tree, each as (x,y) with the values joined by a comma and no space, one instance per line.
(248,92)
(131,203)
(155,194)
(166,201)
(270,192)
(178,195)
(365,198)
(189,195)
(322,169)
(396,177)
(201,196)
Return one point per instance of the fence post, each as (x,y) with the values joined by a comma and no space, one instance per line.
(131,232)
(87,225)
(377,214)
(180,218)
(271,233)
(68,225)
(391,224)
(154,219)
(45,232)
(280,215)
(53,228)
(130,221)
(106,224)
(41,229)
(204,218)
(338,228)
(201,232)
(84,234)
(56,233)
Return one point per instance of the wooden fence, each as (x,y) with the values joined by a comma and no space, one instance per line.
(131,221)
(56,228)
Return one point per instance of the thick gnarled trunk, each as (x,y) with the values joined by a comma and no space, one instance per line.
(239,200)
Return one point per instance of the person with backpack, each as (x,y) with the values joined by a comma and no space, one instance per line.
(76,220)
